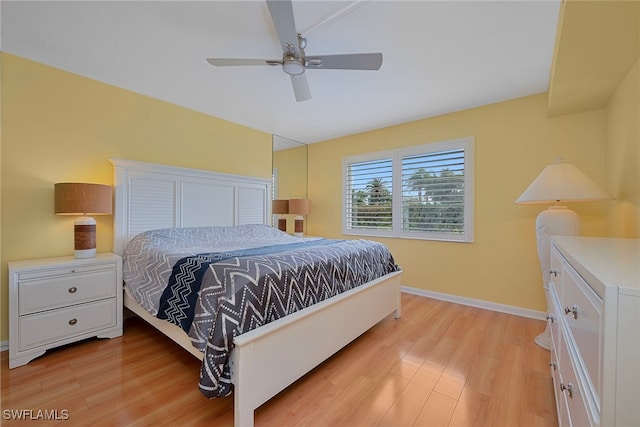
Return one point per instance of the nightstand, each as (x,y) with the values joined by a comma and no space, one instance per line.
(57,301)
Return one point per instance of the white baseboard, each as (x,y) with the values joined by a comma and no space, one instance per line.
(4,345)
(486,305)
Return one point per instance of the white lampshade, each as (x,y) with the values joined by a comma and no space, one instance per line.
(562,182)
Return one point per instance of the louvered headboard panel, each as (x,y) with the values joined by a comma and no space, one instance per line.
(150,196)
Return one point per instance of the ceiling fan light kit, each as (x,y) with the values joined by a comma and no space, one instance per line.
(293,66)
(294,62)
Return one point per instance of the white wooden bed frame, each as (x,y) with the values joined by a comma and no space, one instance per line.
(150,196)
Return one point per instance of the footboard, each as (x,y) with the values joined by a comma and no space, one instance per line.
(268,359)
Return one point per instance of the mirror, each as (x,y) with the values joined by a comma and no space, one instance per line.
(289,168)
(289,162)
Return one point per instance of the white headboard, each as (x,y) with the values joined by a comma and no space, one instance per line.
(150,196)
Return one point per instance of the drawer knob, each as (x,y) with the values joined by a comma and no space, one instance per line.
(553,365)
(568,388)
(550,318)
(554,272)
(573,310)
(73,322)
(73,290)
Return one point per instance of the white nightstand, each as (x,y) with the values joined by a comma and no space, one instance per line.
(57,301)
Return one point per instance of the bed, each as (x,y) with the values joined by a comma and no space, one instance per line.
(169,204)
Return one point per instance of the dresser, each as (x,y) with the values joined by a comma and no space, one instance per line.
(57,301)
(594,318)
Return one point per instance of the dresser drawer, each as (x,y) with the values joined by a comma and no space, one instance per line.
(60,290)
(570,389)
(554,315)
(56,325)
(561,404)
(582,312)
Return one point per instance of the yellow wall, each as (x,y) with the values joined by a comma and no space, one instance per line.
(623,156)
(58,126)
(514,141)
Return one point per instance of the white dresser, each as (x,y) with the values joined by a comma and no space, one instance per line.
(56,301)
(595,325)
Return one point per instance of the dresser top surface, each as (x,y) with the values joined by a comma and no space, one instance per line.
(612,261)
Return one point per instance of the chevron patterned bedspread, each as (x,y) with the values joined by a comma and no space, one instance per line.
(219,282)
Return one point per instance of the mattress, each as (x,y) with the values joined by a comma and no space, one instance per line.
(219,282)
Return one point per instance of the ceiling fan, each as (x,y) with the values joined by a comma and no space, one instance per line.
(294,59)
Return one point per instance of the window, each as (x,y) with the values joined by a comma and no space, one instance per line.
(421,192)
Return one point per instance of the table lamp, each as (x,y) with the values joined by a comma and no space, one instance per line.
(75,198)
(299,207)
(557,183)
(280,207)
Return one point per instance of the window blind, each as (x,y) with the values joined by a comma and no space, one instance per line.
(433,192)
(369,195)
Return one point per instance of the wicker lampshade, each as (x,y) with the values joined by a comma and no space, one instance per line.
(299,206)
(76,198)
(280,206)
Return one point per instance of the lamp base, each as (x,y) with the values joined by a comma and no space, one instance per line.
(299,226)
(544,339)
(84,253)
(84,237)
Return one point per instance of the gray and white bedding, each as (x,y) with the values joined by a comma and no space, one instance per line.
(219,282)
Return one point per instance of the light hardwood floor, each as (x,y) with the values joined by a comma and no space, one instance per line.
(441,364)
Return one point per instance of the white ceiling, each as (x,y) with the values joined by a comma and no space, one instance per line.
(439,56)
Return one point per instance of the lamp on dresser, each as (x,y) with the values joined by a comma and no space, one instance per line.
(557,183)
(280,207)
(82,199)
(299,207)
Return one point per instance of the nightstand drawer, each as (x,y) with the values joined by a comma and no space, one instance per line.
(56,325)
(67,289)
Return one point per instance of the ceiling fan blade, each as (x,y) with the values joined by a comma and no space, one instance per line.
(226,62)
(354,61)
(300,87)
(281,12)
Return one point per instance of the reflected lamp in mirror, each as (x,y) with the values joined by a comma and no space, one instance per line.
(299,207)
(557,183)
(280,207)
(81,199)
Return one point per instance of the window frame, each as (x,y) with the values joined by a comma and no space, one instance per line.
(396,155)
